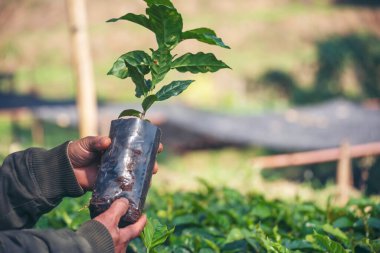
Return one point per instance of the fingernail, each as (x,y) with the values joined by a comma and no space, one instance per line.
(125,200)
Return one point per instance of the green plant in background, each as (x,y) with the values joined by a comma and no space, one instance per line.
(166,23)
(154,234)
(226,221)
(69,214)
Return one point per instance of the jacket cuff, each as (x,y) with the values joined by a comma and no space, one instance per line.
(54,174)
(98,236)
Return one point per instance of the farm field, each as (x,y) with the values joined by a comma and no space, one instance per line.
(222,219)
(284,53)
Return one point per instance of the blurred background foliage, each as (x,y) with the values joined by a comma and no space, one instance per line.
(357,55)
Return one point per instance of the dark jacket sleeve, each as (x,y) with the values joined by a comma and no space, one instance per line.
(33,182)
(92,237)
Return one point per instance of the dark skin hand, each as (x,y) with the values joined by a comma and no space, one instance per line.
(84,155)
(120,236)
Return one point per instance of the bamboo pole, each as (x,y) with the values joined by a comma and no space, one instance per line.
(312,157)
(86,95)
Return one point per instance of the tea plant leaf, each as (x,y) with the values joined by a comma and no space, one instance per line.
(262,211)
(149,84)
(172,89)
(148,102)
(204,35)
(297,244)
(187,219)
(137,59)
(343,222)
(161,62)
(325,244)
(374,223)
(376,245)
(155,234)
(130,112)
(336,232)
(236,247)
(234,235)
(166,3)
(119,69)
(140,83)
(138,19)
(166,23)
(198,63)
(212,245)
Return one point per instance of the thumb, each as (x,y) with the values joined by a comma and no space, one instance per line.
(118,208)
(95,143)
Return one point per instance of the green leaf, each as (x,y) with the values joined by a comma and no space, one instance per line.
(148,102)
(140,83)
(166,23)
(119,69)
(212,245)
(161,62)
(376,245)
(187,219)
(262,211)
(155,234)
(134,64)
(172,89)
(234,235)
(198,63)
(336,232)
(138,59)
(297,244)
(325,244)
(374,223)
(205,35)
(130,112)
(138,19)
(166,3)
(343,222)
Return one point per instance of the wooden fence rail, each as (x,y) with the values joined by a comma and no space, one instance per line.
(312,157)
(343,155)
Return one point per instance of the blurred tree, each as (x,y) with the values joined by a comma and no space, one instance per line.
(282,81)
(335,55)
(359,2)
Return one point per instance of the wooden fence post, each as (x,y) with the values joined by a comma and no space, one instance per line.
(86,95)
(344,174)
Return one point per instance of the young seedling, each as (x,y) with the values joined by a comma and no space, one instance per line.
(127,166)
(147,70)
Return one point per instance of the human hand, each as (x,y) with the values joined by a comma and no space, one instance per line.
(120,236)
(85,154)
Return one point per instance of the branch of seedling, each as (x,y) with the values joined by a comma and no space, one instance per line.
(166,23)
